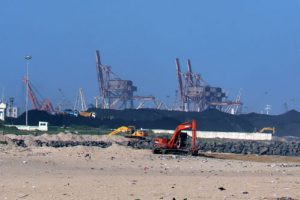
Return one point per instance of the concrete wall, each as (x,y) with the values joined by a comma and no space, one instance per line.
(43,126)
(227,135)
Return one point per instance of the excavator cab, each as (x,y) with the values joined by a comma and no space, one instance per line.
(182,142)
(140,133)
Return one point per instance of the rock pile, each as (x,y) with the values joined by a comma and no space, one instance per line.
(141,144)
(57,144)
(282,148)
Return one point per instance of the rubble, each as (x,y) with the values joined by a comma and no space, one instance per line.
(279,146)
(275,147)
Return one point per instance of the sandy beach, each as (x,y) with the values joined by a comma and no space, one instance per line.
(119,172)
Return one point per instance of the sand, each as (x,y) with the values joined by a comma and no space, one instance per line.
(119,172)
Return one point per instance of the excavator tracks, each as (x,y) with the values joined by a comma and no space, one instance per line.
(171,151)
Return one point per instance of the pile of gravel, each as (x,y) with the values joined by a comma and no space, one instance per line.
(141,144)
(276,147)
(58,144)
(279,146)
(282,148)
(287,124)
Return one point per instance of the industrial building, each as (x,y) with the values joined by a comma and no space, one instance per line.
(12,110)
(2,111)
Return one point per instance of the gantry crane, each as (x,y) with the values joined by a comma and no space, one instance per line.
(194,94)
(114,92)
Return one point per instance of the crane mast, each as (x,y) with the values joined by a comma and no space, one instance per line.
(180,83)
(190,73)
(100,78)
(35,103)
(46,105)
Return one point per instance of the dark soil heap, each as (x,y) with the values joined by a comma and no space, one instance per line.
(287,124)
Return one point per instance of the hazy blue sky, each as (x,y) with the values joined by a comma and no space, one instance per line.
(248,44)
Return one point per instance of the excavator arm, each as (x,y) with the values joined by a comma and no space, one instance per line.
(174,140)
(120,130)
(172,145)
(266,129)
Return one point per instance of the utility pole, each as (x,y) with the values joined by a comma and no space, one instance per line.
(27,58)
(268,109)
(96,102)
(2,97)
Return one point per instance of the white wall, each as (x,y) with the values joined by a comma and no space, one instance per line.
(227,135)
(2,111)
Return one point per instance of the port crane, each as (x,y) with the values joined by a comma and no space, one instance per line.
(46,104)
(115,93)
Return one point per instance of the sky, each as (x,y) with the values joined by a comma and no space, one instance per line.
(248,45)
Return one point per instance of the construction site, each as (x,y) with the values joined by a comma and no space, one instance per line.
(149,100)
(132,163)
(131,143)
(193,94)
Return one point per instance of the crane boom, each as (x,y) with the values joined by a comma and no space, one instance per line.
(100,76)
(179,81)
(190,73)
(46,105)
(35,103)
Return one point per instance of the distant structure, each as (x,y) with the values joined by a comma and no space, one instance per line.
(2,111)
(12,110)
(80,103)
(155,103)
(46,104)
(196,95)
(115,93)
(96,102)
(193,93)
(233,107)
(268,109)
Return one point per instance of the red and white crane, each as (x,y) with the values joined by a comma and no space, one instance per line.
(46,104)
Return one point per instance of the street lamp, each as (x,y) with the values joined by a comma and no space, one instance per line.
(27,58)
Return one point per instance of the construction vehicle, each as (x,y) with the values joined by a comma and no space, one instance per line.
(267,129)
(130,132)
(87,114)
(178,142)
(71,112)
(138,134)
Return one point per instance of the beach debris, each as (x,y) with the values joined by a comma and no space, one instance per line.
(221,188)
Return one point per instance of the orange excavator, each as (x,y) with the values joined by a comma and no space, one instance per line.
(178,142)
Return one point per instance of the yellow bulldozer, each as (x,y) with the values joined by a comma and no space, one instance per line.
(130,132)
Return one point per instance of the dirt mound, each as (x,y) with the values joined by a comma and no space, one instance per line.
(279,146)
(287,124)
